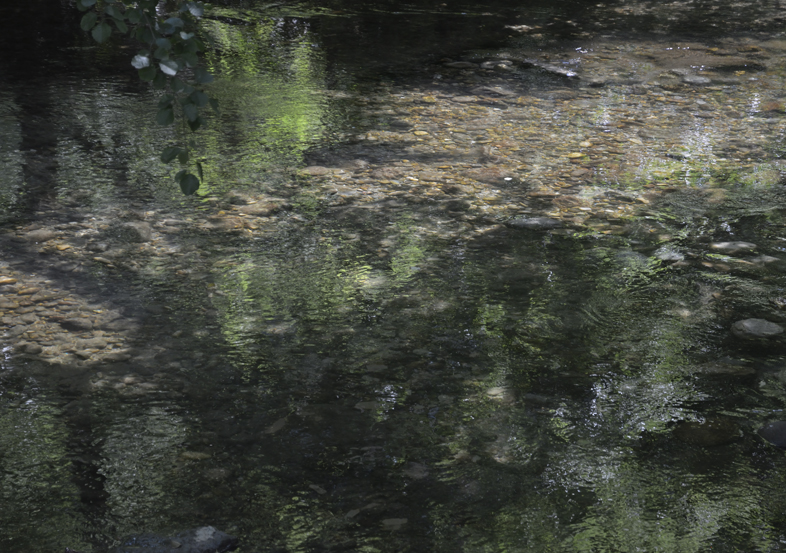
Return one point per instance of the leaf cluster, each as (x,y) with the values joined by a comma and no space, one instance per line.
(169,60)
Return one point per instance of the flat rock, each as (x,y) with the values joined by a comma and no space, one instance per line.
(76,324)
(721,369)
(134,231)
(751,329)
(775,433)
(199,540)
(534,223)
(713,431)
(40,235)
(696,80)
(733,248)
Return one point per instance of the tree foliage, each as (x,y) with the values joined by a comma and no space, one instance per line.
(169,59)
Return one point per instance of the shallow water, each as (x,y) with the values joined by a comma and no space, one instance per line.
(415,307)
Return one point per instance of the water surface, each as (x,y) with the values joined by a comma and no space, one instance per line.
(415,306)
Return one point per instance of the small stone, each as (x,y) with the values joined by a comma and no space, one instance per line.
(32,349)
(463,99)
(195,455)
(276,426)
(28,291)
(319,489)
(733,248)
(461,65)
(316,170)
(535,223)
(575,155)
(40,235)
(721,369)
(393,523)
(77,324)
(7,280)
(775,433)
(63,247)
(416,471)
(135,231)
(420,133)
(756,328)
(695,80)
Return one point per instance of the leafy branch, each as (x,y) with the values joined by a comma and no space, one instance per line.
(169,60)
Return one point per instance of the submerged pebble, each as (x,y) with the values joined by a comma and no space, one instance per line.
(756,328)
(775,433)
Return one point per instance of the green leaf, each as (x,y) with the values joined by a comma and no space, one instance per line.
(196,9)
(199,98)
(170,67)
(112,11)
(214,104)
(182,157)
(195,124)
(165,116)
(199,171)
(146,35)
(175,22)
(161,53)
(164,43)
(191,112)
(188,182)
(170,153)
(178,85)
(202,75)
(86,3)
(186,36)
(191,59)
(165,101)
(88,21)
(140,61)
(159,83)
(134,15)
(121,25)
(147,73)
(101,32)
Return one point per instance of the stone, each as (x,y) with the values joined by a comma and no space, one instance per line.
(32,349)
(774,433)
(393,523)
(696,80)
(463,99)
(751,329)
(77,324)
(199,540)
(733,248)
(134,231)
(40,235)
(721,369)
(535,223)
(317,171)
(461,65)
(711,432)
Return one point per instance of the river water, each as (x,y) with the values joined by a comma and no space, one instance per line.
(461,277)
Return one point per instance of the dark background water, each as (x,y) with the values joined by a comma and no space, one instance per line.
(408,376)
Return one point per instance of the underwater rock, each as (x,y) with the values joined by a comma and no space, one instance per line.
(711,432)
(751,329)
(535,223)
(40,235)
(199,540)
(134,231)
(733,248)
(723,369)
(775,433)
(695,80)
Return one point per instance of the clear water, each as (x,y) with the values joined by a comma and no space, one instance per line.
(344,343)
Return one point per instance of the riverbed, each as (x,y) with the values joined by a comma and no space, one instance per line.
(458,278)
